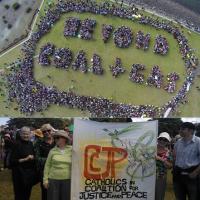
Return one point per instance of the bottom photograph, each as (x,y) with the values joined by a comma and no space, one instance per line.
(99,158)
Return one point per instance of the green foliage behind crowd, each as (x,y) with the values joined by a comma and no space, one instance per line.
(57,123)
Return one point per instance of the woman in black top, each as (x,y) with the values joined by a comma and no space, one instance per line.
(23,165)
(42,148)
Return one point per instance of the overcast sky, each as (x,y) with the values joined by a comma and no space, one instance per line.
(194,120)
(3,120)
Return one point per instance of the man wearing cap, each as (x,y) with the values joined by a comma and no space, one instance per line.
(163,162)
(187,163)
(42,148)
(57,171)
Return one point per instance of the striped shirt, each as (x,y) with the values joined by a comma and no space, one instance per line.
(187,152)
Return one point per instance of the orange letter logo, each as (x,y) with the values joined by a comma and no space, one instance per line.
(93,152)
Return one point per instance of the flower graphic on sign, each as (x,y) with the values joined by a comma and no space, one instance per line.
(141,153)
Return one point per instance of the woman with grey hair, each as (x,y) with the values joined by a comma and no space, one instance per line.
(23,165)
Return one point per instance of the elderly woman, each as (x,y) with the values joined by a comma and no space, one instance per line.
(42,148)
(23,165)
(163,162)
(57,171)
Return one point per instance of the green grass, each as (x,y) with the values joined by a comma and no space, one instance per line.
(120,89)
(6,190)
(10,57)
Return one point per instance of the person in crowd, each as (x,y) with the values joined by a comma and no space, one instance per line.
(42,148)
(23,165)
(8,145)
(187,163)
(38,135)
(31,99)
(163,162)
(1,149)
(57,171)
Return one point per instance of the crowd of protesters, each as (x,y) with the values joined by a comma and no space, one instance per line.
(161,45)
(156,77)
(106,32)
(171,79)
(71,27)
(80,62)
(117,68)
(62,57)
(134,75)
(142,41)
(33,96)
(96,65)
(46,51)
(39,156)
(123,37)
(86,29)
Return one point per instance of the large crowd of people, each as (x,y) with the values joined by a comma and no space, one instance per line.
(62,57)
(106,32)
(80,62)
(71,27)
(117,68)
(161,45)
(123,37)
(96,65)
(156,78)
(171,79)
(32,96)
(134,75)
(46,51)
(86,29)
(142,41)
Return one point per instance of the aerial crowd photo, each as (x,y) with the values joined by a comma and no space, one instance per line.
(99,99)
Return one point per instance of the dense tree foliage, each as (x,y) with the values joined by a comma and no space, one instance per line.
(57,123)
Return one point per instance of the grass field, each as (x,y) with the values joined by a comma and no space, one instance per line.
(120,89)
(6,189)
